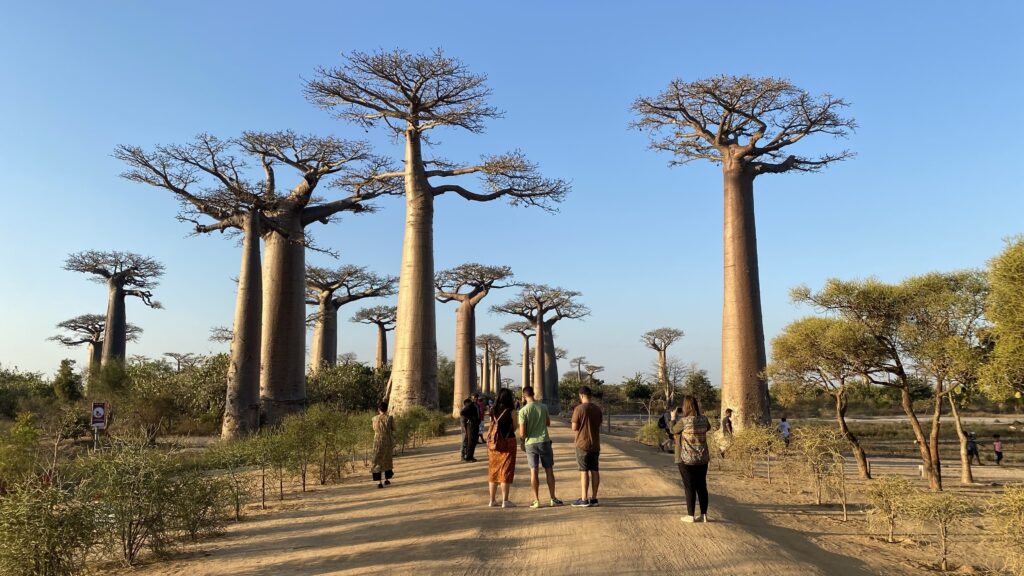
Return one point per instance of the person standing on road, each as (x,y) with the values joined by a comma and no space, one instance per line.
(692,456)
(383,445)
(784,431)
(501,448)
(470,414)
(586,423)
(997,447)
(533,427)
(481,412)
(972,449)
(726,440)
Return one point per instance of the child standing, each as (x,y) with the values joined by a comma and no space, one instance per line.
(997,447)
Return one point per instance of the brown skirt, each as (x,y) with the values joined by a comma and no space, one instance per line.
(501,463)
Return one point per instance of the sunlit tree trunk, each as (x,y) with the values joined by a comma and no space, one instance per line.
(485,372)
(465,354)
(933,436)
(663,375)
(115,336)
(539,347)
(858,452)
(242,405)
(526,360)
(324,349)
(95,352)
(966,475)
(743,358)
(382,347)
(414,372)
(930,469)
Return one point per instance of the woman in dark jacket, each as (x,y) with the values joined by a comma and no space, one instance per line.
(692,455)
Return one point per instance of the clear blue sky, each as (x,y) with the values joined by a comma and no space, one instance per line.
(935,88)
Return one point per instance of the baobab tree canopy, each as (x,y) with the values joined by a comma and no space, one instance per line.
(411,94)
(746,125)
(88,329)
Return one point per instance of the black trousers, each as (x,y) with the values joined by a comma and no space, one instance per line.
(695,485)
(469,438)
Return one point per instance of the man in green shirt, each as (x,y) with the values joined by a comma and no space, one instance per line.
(533,428)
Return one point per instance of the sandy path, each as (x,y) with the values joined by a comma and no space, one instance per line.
(434,520)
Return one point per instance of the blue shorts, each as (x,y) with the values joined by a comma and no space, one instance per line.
(540,451)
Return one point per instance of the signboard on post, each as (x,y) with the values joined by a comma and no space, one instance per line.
(99,415)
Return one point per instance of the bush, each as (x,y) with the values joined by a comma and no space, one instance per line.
(45,531)
(418,424)
(232,457)
(1007,511)
(197,502)
(889,500)
(942,510)
(821,458)
(19,451)
(650,434)
(754,444)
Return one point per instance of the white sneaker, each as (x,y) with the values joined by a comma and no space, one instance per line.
(492,504)
(508,504)
(688,519)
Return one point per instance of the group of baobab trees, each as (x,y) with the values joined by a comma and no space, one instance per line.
(271,186)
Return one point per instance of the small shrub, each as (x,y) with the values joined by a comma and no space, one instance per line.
(889,499)
(942,510)
(1007,512)
(754,444)
(197,501)
(45,531)
(231,457)
(650,434)
(821,458)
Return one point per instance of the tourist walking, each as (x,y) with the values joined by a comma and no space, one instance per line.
(470,415)
(481,411)
(383,446)
(501,448)
(586,423)
(726,433)
(533,427)
(972,449)
(997,447)
(692,456)
(784,431)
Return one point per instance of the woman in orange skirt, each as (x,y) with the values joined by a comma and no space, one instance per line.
(501,448)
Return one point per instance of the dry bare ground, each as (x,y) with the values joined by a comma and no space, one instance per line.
(434,520)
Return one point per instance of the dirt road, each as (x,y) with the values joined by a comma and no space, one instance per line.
(434,520)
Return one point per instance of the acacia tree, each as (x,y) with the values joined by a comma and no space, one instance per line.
(524,329)
(322,290)
(211,178)
(383,317)
(1003,375)
(826,355)
(412,94)
(88,329)
(125,274)
(468,284)
(534,303)
(659,340)
(745,125)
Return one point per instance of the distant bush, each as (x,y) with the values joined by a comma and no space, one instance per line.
(418,424)
(1007,513)
(888,497)
(822,461)
(753,445)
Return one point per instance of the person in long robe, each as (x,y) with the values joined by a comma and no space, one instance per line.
(383,446)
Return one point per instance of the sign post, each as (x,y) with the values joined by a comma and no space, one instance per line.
(99,422)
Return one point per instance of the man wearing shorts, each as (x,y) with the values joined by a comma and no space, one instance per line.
(586,423)
(533,427)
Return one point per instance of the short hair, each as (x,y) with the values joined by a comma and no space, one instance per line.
(466,402)
(528,391)
(995,435)
(382,406)
(728,410)
(690,406)
(585,391)
(783,418)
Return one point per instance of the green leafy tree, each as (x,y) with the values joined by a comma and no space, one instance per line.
(67,385)
(1003,377)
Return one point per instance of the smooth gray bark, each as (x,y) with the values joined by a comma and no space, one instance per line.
(242,406)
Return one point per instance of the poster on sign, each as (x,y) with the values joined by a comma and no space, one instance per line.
(99,415)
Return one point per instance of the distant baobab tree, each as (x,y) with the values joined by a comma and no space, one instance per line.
(221,334)
(468,284)
(746,125)
(524,329)
(88,329)
(383,317)
(659,340)
(125,274)
(271,297)
(579,362)
(491,345)
(330,289)
(184,359)
(412,94)
(591,370)
(533,304)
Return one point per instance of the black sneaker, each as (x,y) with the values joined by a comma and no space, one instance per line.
(593,502)
(581,503)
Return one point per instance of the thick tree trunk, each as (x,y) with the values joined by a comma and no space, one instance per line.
(324,349)
(414,372)
(95,352)
(242,406)
(550,372)
(526,360)
(663,376)
(539,347)
(465,354)
(382,347)
(858,451)
(497,377)
(930,470)
(966,475)
(283,342)
(743,357)
(115,331)
(485,373)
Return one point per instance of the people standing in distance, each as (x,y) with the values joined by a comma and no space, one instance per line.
(997,447)
(470,415)
(784,431)
(501,448)
(533,427)
(482,412)
(383,445)
(692,456)
(973,454)
(726,431)
(586,423)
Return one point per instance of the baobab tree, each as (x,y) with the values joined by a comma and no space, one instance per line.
(330,289)
(412,94)
(125,274)
(383,317)
(591,370)
(534,304)
(491,345)
(579,362)
(88,329)
(524,329)
(468,284)
(746,125)
(659,340)
(183,360)
(211,178)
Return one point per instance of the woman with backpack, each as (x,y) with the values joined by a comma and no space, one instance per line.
(501,448)
(692,456)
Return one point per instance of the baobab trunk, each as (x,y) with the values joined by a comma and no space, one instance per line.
(324,349)
(743,357)
(95,352)
(526,361)
(966,475)
(663,375)
(550,372)
(115,329)
(283,342)
(382,347)
(858,452)
(414,373)
(242,406)
(465,354)
(497,377)
(485,372)
(538,361)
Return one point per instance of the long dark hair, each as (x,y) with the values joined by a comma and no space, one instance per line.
(690,406)
(503,402)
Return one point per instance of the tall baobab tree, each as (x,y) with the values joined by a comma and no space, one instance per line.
(534,304)
(468,284)
(524,329)
(125,274)
(659,340)
(183,360)
(88,329)
(412,94)
(579,362)
(330,289)
(383,317)
(745,125)
(491,345)
(211,178)
(591,370)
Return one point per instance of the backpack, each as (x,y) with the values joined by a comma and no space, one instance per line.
(661,422)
